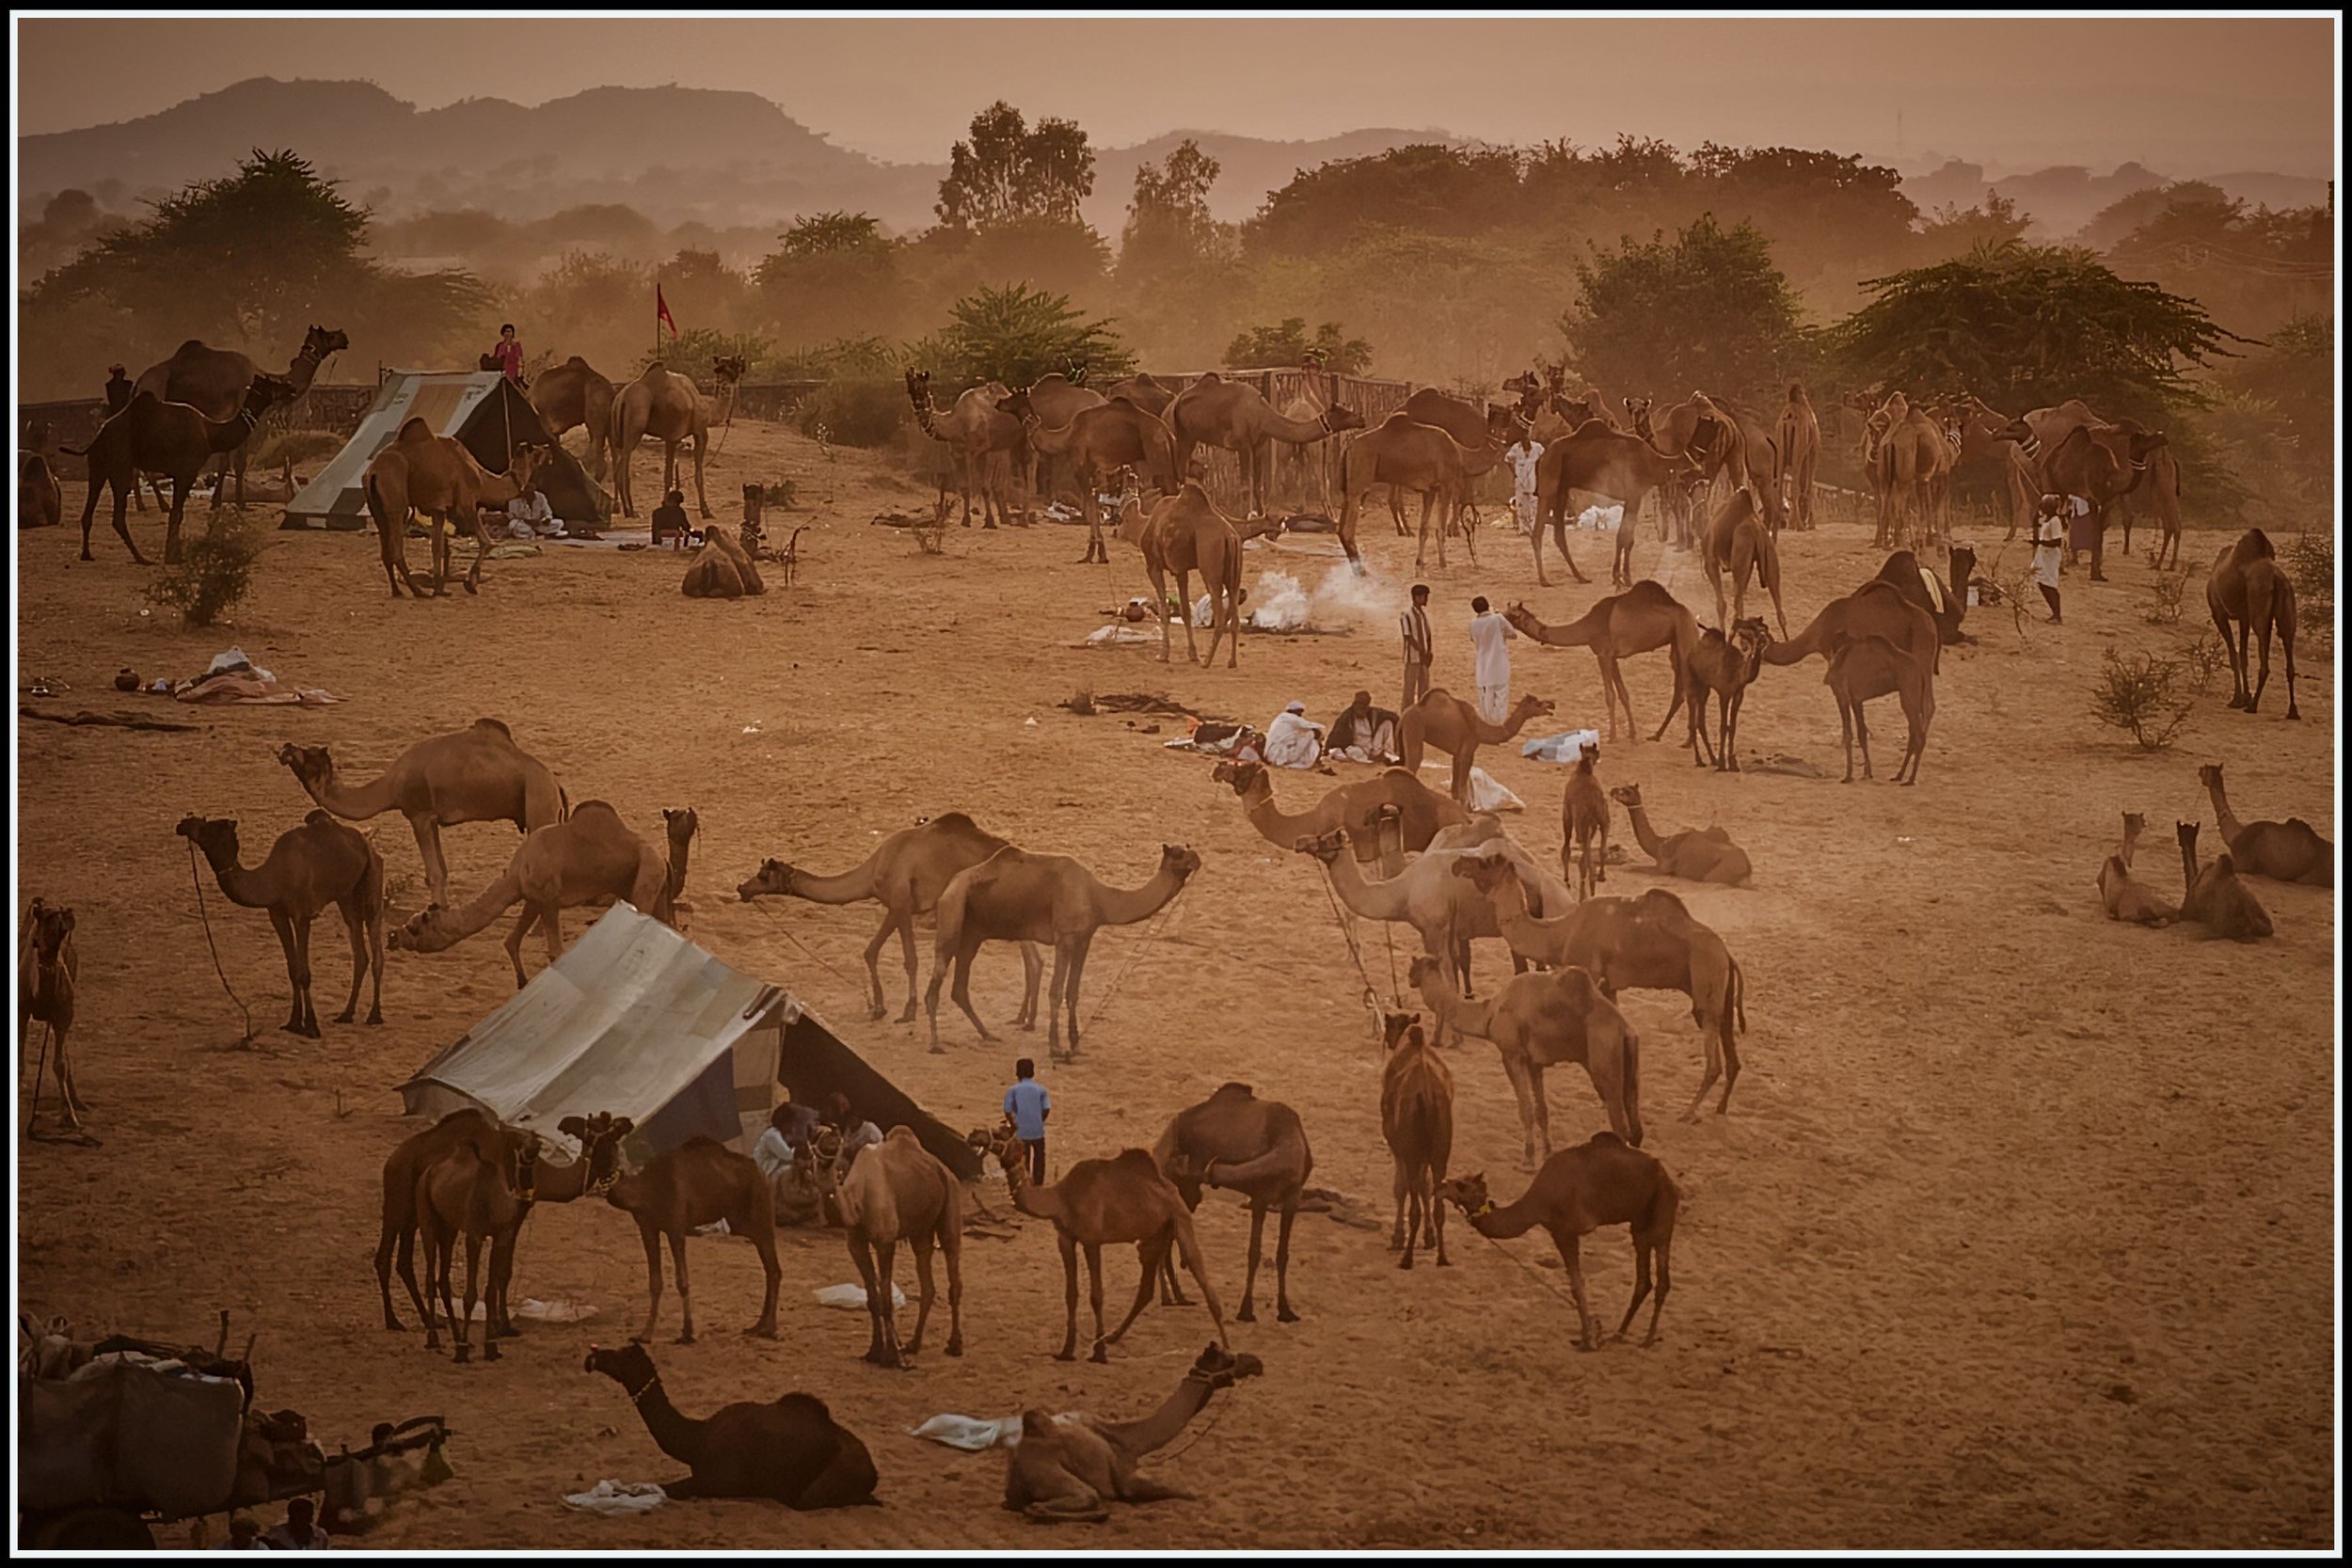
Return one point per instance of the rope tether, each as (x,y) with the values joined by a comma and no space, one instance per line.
(195,878)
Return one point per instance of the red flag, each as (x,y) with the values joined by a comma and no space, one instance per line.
(661,313)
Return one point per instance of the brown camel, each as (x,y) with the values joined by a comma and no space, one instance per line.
(897,1191)
(975,432)
(1913,475)
(1146,392)
(1074,1466)
(1866,666)
(2289,852)
(1737,541)
(39,500)
(1644,617)
(1601,460)
(1096,443)
(310,867)
(1417,1122)
(1017,897)
(214,382)
(1360,807)
(438,479)
(697,1183)
(46,969)
(1257,1148)
(1694,854)
(1724,666)
(721,569)
(1946,603)
(906,874)
(2247,595)
(1405,454)
(171,439)
(790,1451)
(1600,1181)
(1646,943)
(1984,444)
(476,774)
(2217,898)
(2145,470)
(2124,897)
(1874,609)
(1100,1203)
(573,395)
(476,1190)
(1584,824)
(1546,1018)
(1186,533)
(1056,401)
(1236,416)
(588,856)
(1441,719)
(1723,441)
(669,407)
(1800,436)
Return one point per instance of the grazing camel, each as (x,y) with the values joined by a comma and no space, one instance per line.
(588,856)
(1262,1147)
(1600,1181)
(1100,1203)
(791,1450)
(46,968)
(573,394)
(894,1191)
(1186,533)
(1441,719)
(1644,617)
(213,381)
(1800,433)
(1540,1020)
(476,774)
(1724,666)
(1694,854)
(1017,897)
(1417,1123)
(1646,943)
(438,479)
(1405,454)
(1417,810)
(476,1190)
(1946,604)
(975,431)
(669,407)
(1598,459)
(1874,609)
(2247,591)
(2289,852)
(1737,541)
(1866,666)
(697,1183)
(906,874)
(1072,1466)
(171,439)
(1584,824)
(1096,443)
(2216,898)
(1236,418)
(310,867)
(2124,897)
(39,502)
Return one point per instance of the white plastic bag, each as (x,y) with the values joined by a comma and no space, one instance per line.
(852,1297)
(618,1499)
(1567,745)
(971,1434)
(1609,518)
(1486,794)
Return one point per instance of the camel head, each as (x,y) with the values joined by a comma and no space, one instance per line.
(2210,775)
(599,1138)
(50,926)
(2142,444)
(1628,796)
(431,929)
(1396,1027)
(1521,618)
(1179,862)
(319,341)
(1466,1192)
(772,879)
(628,1364)
(525,461)
(1339,417)
(1426,971)
(1588,756)
(1531,707)
(1637,410)
(2187,834)
(1752,635)
(313,767)
(1248,777)
(1018,405)
(1324,847)
(728,369)
(1220,1368)
(215,836)
(682,823)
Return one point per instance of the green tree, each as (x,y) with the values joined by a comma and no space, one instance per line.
(1704,310)
(1425,188)
(1009,171)
(1014,335)
(1169,222)
(830,275)
(1954,230)
(1288,344)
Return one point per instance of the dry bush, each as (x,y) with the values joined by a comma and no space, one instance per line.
(213,574)
(2138,694)
(2164,591)
(2205,658)
(932,537)
(2309,562)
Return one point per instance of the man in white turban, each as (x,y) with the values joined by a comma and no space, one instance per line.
(1293,740)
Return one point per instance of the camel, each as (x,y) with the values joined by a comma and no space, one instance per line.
(1644,617)
(1866,666)
(975,431)
(1913,474)
(2139,455)
(1096,443)
(1723,441)
(438,479)
(1584,824)
(172,439)
(1359,807)
(1737,541)
(1236,416)
(2247,591)
(1946,604)
(1146,392)
(39,500)
(1874,609)
(721,569)
(1601,460)
(1646,943)
(1057,399)
(669,407)
(2217,898)
(476,774)
(1262,1147)
(573,395)
(1600,1181)
(596,1168)
(310,867)
(697,1183)
(1405,454)
(2289,852)
(474,1190)
(1694,854)
(1417,1123)
(791,1450)
(47,968)
(1017,897)
(896,1191)
(1186,533)
(1724,667)
(906,874)
(1540,1020)
(1302,465)
(589,855)
(1441,719)
(2124,897)
(2086,463)
(214,382)
(1100,1203)
(1073,1465)
(1800,436)
(1976,431)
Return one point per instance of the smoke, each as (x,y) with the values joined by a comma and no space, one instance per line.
(1280,603)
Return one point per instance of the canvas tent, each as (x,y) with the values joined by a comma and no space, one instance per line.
(637,1021)
(482,410)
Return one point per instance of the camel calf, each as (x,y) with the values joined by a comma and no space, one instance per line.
(2216,898)
(1584,826)
(1417,1121)
(2125,897)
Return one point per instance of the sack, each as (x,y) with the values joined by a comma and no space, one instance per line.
(65,1440)
(176,1440)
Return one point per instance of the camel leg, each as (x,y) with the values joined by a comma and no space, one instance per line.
(685,1290)
(1152,1252)
(905,922)
(1514,1068)
(1434,1212)
(1069,1350)
(875,1007)
(408,1275)
(1845,725)
(352,926)
(653,1284)
(1862,732)
(1247,1313)
(1283,1313)
(1033,978)
(2237,657)
(513,944)
(437,1255)
(293,984)
(702,440)
(1184,602)
(473,1293)
(1400,1240)
(1077,969)
(861,1255)
(962,992)
(1571,1254)
(951,1250)
(1645,1242)
(482,548)
(921,1246)
(1094,1297)
(1535,1071)
(881,1300)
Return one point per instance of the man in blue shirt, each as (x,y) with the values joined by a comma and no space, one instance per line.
(1028,1104)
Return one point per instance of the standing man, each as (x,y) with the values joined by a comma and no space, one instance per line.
(1523,454)
(2049,550)
(1414,624)
(117,390)
(1489,633)
(509,354)
(1028,1104)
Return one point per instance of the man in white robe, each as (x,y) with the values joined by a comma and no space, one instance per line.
(1293,740)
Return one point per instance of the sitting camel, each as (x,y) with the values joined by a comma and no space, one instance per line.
(2245,591)
(1073,1465)
(1692,854)
(1103,1202)
(2217,898)
(39,500)
(1600,1181)
(1262,1148)
(476,774)
(1442,719)
(1541,1019)
(894,1191)
(1644,617)
(721,569)
(1867,666)
(2125,897)
(1417,1123)
(436,477)
(2289,852)
(1724,667)
(46,968)
(1737,540)
(792,1449)
(697,1183)
(310,867)
(1584,824)
(476,1190)
(1360,808)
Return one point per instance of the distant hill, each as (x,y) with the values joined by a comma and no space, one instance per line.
(2062,199)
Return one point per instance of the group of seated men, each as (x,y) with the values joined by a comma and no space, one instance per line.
(1360,733)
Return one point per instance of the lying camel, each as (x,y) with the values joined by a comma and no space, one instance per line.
(2125,897)
(2216,897)
(310,867)
(792,1449)
(2289,852)
(1543,1019)
(1442,719)
(1360,808)
(1417,1123)
(721,569)
(1073,1465)
(1694,854)
(1257,1148)
(1099,1203)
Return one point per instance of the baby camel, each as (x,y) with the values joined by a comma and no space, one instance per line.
(1584,825)
(1417,1121)
(45,971)
(1598,1182)
(1073,1465)
(2217,898)
(1541,1019)
(310,867)
(2126,898)
(1724,666)
(1694,854)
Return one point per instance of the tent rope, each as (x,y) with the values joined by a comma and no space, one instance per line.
(197,881)
(1149,935)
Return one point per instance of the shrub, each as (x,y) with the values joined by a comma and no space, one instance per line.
(856,411)
(2309,562)
(2164,591)
(213,574)
(2136,695)
(2206,657)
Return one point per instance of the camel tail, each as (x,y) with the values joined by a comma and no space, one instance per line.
(76,452)
(1739,996)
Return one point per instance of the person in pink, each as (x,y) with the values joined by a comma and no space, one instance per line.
(509,354)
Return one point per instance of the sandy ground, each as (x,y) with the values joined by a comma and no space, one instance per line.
(2017,1234)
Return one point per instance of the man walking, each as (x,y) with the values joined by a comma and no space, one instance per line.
(1523,454)
(1414,624)
(1027,1105)
(1489,633)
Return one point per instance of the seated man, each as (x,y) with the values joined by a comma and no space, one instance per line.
(1364,732)
(534,513)
(856,1132)
(1293,740)
(669,519)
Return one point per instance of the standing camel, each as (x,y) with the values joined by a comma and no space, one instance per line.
(1601,460)
(1262,1147)
(1644,617)
(2217,898)
(1417,1123)
(474,1190)
(894,1191)
(1867,666)
(1737,541)
(1800,434)
(697,1183)
(982,440)
(46,968)
(214,382)
(1441,719)
(1057,399)
(2124,896)
(1724,667)
(2143,466)
(1913,474)
(1697,855)
(1186,533)
(1404,454)
(438,479)
(2289,852)
(171,439)
(1100,1203)
(310,867)
(2247,594)
(1584,824)
(1096,442)
(570,394)
(669,407)
(1876,609)
(1722,443)
(1360,808)
(1236,416)
(1540,1020)
(1073,1465)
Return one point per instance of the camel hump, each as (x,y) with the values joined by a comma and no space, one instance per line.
(955,821)
(413,429)
(1399,421)
(498,724)
(194,345)
(803,1404)
(1238,1090)
(319,819)
(1605,1140)
(1137,1161)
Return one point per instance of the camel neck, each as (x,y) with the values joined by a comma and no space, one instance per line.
(474,915)
(2188,872)
(1160,1428)
(353,804)
(1643,833)
(1384,900)
(1491,734)
(2130,845)
(1276,826)
(1509,1219)
(847,888)
(1582,632)
(1462,1016)
(677,1435)
(1051,440)
(1034,1199)
(1125,906)
(2224,820)
(241,885)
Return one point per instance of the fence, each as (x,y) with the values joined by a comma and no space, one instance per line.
(337,407)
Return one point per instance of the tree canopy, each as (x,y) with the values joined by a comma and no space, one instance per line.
(1007,171)
(1014,335)
(1706,310)
(1289,344)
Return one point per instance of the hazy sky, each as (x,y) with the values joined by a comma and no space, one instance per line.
(2185,96)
